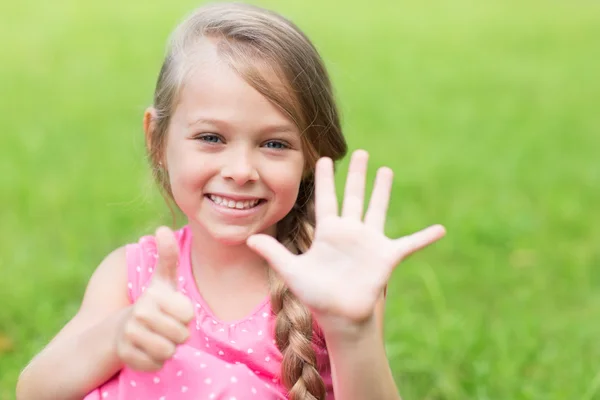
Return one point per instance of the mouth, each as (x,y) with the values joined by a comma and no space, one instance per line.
(241,204)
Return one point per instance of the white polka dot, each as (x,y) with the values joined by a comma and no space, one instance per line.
(253,390)
(265,315)
(104,395)
(198,353)
(232,398)
(232,341)
(267,358)
(232,325)
(206,338)
(207,345)
(133,383)
(130,285)
(250,319)
(138,268)
(150,270)
(184,389)
(214,322)
(250,351)
(221,352)
(221,330)
(162,398)
(274,380)
(208,381)
(244,330)
(143,288)
(267,386)
(179,373)
(259,333)
(228,366)
(211,396)
(181,279)
(202,365)
(156,379)
(197,305)
(233,379)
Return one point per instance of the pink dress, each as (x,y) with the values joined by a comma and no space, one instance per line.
(221,360)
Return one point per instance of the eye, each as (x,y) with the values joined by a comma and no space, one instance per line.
(277,145)
(209,138)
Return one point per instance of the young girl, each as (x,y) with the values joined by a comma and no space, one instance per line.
(267,292)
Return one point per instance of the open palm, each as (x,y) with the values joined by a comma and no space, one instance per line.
(350,261)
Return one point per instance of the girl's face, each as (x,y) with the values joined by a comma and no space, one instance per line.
(235,162)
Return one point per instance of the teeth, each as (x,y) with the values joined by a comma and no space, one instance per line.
(240,205)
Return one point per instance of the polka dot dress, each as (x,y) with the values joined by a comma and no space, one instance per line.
(221,360)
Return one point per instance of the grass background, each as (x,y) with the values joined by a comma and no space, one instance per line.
(487,111)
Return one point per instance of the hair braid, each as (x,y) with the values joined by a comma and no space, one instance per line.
(294,324)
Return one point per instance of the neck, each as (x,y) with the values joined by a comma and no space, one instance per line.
(224,264)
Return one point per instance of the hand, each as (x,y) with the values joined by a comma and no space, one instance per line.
(342,275)
(157,322)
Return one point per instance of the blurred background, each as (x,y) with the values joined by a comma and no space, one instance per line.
(488,112)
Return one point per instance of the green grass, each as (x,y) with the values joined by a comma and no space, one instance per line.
(488,113)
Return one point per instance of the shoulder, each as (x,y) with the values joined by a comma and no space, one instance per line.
(107,276)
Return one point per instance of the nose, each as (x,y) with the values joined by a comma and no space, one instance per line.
(239,167)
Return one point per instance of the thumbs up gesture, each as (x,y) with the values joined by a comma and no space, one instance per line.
(157,322)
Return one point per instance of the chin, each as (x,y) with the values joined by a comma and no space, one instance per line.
(232,237)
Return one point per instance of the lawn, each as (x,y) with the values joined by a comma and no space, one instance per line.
(487,112)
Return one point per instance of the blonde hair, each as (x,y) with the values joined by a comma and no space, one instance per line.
(250,40)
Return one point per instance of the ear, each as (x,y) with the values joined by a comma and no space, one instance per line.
(149,126)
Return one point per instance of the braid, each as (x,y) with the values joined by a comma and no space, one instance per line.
(294,325)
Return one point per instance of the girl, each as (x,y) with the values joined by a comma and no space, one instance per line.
(267,292)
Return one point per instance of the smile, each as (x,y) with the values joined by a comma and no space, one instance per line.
(234,204)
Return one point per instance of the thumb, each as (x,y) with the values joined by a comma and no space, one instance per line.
(278,257)
(168,256)
(409,244)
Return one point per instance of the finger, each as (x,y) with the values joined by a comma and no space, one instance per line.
(278,257)
(137,360)
(354,193)
(325,197)
(412,243)
(156,347)
(162,324)
(380,198)
(168,256)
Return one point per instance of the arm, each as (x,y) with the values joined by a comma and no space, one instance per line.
(380,312)
(360,367)
(85,348)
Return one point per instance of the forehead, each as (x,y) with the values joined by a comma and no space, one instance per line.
(213,90)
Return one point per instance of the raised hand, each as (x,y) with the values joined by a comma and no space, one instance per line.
(157,322)
(342,275)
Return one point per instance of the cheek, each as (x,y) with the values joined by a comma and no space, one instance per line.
(187,174)
(286,183)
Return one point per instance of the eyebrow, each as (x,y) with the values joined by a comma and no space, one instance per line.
(208,121)
(268,129)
